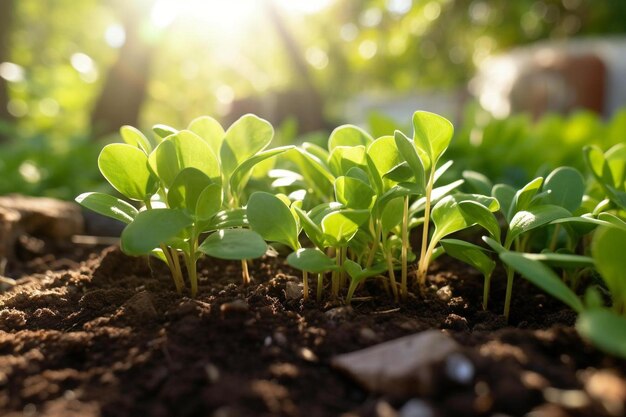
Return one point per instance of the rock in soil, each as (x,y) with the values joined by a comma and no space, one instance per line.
(400,367)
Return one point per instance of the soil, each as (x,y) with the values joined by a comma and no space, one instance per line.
(92,332)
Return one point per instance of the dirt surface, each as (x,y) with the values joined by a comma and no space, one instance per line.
(108,336)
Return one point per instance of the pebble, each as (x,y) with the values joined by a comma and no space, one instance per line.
(293,290)
(608,388)
(308,355)
(460,369)
(400,367)
(339,313)
(416,408)
(236,306)
(384,409)
(444,293)
(367,335)
(455,322)
(569,398)
(212,373)
(141,306)
(280,339)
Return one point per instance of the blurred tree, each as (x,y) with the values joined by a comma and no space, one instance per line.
(125,88)
(6,17)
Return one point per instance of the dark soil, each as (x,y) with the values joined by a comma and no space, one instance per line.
(108,336)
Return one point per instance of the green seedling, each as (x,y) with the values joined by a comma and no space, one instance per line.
(474,256)
(609,170)
(605,327)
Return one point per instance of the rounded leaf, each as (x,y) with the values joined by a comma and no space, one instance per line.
(210,130)
(270,217)
(311,260)
(186,188)
(234,244)
(566,187)
(244,138)
(109,206)
(125,167)
(134,137)
(354,193)
(348,135)
(432,133)
(152,228)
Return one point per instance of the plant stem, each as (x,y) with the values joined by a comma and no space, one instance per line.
(342,274)
(392,276)
(176,275)
(422,264)
(374,248)
(190,263)
(510,273)
(555,237)
(305,285)
(405,247)
(320,286)
(486,289)
(244,272)
(335,274)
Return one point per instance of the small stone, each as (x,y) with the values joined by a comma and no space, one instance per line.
(280,339)
(308,355)
(568,398)
(416,408)
(236,306)
(367,335)
(384,409)
(608,388)
(460,369)
(401,367)
(212,373)
(339,313)
(293,290)
(455,322)
(444,293)
(533,380)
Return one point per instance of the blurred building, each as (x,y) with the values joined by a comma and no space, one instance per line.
(555,77)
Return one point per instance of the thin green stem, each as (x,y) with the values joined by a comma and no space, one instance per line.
(320,286)
(510,273)
(405,248)
(176,276)
(305,285)
(422,266)
(392,275)
(374,248)
(555,237)
(342,273)
(486,289)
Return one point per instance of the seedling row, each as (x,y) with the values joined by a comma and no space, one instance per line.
(345,213)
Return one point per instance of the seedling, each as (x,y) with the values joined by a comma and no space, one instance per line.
(605,327)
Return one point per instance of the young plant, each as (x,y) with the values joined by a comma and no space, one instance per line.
(181,183)
(604,326)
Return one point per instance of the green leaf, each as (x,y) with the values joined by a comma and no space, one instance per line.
(407,149)
(480,183)
(432,133)
(317,175)
(612,219)
(604,329)
(152,228)
(354,193)
(186,188)
(348,135)
(163,131)
(343,158)
(538,216)
(244,138)
(209,202)
(447,218)
(481,215)
(566,187)
(436,195)
(234,244)
(312,230)
(134,137)
(392,214)
(270,217)
(543,277)
(109,206)
(224,219)
(338,228)
(562,260)
(183,150)
(311,260)
(469,253)
(358,274)
(607,249)
(382,157)
(524,196)
(210,130)
(494,245)
(126,168)
(244,169)
(504,194)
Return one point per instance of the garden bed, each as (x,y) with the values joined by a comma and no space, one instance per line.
(106,335)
